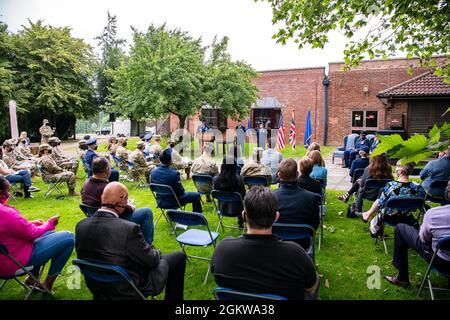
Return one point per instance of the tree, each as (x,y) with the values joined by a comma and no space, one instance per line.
(419,28)
(111,55)
(55,69)
(167,72)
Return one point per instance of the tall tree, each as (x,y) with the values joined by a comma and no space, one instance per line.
(55,69)
(167,72)
(419,28)
(111,55)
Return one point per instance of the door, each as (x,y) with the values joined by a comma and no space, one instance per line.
(423,114)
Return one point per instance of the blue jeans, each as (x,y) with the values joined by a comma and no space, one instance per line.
(144,218)
(23,176)
(194,198)
(55,246)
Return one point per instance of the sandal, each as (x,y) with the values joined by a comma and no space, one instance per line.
(344,198)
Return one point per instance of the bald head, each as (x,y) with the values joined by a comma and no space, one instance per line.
(115,197)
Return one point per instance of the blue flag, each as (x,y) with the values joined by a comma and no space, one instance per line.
(308,131)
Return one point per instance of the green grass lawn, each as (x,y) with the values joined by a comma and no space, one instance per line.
(347,251)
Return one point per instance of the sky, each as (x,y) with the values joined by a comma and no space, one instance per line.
(246,23)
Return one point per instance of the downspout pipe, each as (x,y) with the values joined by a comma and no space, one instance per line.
(325,83)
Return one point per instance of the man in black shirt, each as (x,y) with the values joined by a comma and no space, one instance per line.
(258,262)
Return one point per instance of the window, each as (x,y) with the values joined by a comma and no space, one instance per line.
(213,118)
(364,119)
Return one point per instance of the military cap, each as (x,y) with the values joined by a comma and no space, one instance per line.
(44,146)
(82,142)
(140,143)
(91,141)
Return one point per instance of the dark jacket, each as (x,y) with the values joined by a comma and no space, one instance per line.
(310,184)
(89,158)
(104,238)
(239,187)
(297,205)
(360,163)
(362,143)
(171,177)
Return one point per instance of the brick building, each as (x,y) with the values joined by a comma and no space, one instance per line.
(376,95)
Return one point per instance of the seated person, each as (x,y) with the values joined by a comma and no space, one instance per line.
(53,172)
(360,163)
(257,262)
(91,195)
(120,242)
(350,155)
(438,169)
(376,141)
(24,136)
(21,176)
(271,159)
(155,148)
(295,205)
(82,149)
(235,152)
(179,162)
(304,181)
(61,160)
(378,169)
(31,243)
(15,160)
(91,155)
(141,166)
(112,146)
(167,175)
(147,140)
(314,147)
(228,180)
(318,171)
(122,153)
(401,187)
(24,147)
(255,168)
(205,165)
(435,226)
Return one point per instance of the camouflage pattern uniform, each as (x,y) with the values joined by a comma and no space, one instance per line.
(141,166)
(156,150)
(204,165)
(21,160)
(61,160)
(25,150)
(256,169)
(54,173)
(122,153)
(45,131)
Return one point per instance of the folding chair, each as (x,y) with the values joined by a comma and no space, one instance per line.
(52,186)
(14,187)
(164,191)
(292,232)
(193,237)
(322,210)
(226,197)
(118,161)
(106,273)
(23,271)
(203,182)
(437,185)
(88,210)
(443,244)
(401,203)
(229,294)
(357,174)
(140,181)
(251,181)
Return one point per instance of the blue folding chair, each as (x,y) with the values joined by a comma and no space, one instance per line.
(401,203)
(438,196)
(88,210)
(106,273)
(292,232)
(193,237)
(203,183)
(118,161)
(52,186)
(22,271)
(163,190)
(229,294)
(220,197)
(251,181)
(443,244)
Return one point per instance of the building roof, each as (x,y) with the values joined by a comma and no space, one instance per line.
(426,84)
(267,103)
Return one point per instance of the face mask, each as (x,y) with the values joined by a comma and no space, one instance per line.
(96,147)
(125,144)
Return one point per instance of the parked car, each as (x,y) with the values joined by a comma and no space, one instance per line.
(104,131)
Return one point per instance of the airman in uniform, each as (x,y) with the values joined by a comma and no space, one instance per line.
(205,164)
(46,131)
(141,166)
(17,161)
(122,153)
(255,167)
(62,161)
(54,173)
(155,149)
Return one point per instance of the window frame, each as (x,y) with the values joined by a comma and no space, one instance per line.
(364,126)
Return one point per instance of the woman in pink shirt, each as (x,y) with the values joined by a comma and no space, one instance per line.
(32,243)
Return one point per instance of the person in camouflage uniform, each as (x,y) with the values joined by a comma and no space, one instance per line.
(54,173)
(46,131)
(141,166)
(255,167)
(155,149)
(205,165)
(24,149)
(122,153)
(17,161)
(62,161)
(112,146)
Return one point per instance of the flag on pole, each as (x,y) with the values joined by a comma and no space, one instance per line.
(280,143)
(249,126)
(308,131)
(292,132)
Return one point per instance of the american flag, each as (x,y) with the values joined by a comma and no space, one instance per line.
(280,143)
(292,132)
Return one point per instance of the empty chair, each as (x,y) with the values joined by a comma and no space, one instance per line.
(251,181)
(163,190)
(203,183)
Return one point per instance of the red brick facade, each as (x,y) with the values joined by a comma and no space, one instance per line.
(300,90)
